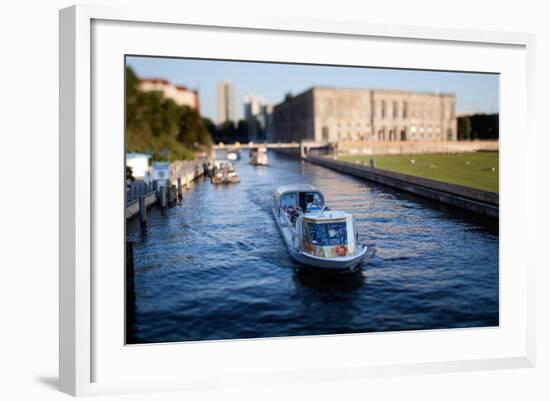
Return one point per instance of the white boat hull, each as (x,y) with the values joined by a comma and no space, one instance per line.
(259,160)
(336,264)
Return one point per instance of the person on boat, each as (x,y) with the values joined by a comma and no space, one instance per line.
(293,213)
(313,207)
(314,203)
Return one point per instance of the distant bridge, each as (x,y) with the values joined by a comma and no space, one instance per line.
(277,145)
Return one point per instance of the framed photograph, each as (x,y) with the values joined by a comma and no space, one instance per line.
(277,200)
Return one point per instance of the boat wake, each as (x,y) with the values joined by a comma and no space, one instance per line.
(329,280)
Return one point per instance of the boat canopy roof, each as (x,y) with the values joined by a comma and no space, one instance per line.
(298,195)
(295,188)
(327,216)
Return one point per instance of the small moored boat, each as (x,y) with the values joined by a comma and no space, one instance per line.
(258,156)
(315,236)
(223,172)
(234,155)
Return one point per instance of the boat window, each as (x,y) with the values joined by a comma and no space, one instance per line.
(314,202)
(289,200)
(307,198)
(314,199)
(325,234)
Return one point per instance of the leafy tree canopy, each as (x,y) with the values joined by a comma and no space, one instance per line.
(159,126)
(478,126)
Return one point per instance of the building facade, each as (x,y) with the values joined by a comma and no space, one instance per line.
(325,114)
(226,102)
(182,95)
(252,106)
(258,115)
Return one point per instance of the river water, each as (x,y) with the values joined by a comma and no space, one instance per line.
(216,267)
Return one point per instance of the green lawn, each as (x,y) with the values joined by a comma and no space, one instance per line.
(468,169)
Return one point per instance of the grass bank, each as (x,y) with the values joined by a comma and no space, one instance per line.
(477,170)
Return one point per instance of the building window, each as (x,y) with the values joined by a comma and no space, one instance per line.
(404,109)
(383,109)
(394,109)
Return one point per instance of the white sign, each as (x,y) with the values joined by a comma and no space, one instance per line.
(161,171)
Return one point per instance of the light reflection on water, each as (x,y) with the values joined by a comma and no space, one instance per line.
(215,266)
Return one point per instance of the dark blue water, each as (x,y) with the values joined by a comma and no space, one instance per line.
(215,267)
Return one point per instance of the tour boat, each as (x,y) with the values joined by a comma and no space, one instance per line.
(223,172)
(258,156)
(315,236)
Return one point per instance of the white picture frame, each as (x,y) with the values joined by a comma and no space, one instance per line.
(84,348)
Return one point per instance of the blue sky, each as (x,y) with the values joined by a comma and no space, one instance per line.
(474,92)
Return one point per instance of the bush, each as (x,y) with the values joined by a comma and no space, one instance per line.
(158,126)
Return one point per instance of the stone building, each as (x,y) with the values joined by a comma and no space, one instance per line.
(182,95)
(326,114)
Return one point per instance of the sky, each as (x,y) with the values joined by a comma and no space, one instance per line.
(475,92)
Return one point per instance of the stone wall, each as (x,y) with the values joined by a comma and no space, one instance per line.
(412,147)
(475,200)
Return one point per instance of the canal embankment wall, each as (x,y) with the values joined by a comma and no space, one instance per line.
(288,152)
(141,195)
(345,147)
(380,148)
(475,200)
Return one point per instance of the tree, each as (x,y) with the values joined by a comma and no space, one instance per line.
(464,128)
(243,131)
(159,126)
(478,126)
(193,133)
(210,126)
(485,126)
